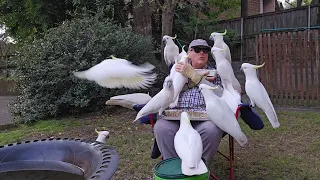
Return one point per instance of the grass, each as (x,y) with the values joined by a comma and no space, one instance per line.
(289,152)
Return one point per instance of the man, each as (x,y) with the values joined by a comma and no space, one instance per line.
(191,100)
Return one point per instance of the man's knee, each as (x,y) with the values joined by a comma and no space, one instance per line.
(164,127)
(209,129)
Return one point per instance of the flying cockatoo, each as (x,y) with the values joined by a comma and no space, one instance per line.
(160,101)
(221,115)
(128,100)
(227,77)
(118,73)
(171,50)
(219,43)
(188,145)
(179,81)
(102,135)
(258,94)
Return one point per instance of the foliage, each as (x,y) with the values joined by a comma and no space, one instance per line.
(45,66)
(26,19)
(197,20)
(294,3)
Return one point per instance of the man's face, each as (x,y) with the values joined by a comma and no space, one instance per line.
(199,56)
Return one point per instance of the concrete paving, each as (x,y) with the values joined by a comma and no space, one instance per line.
(5,117)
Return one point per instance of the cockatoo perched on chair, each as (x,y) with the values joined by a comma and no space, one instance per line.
(221,115)
(119,73)
(188,145)
(160,101)
(102,135)
(128,100)
(171,50)
(258,94)
(219,43)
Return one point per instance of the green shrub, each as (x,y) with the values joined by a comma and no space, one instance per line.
(44,67)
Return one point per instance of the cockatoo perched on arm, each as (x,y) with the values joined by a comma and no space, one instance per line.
(179,81)
(219,43)
(160,101)
(128,100)
(230,94)
(188,145)
(118,73)
(102,135)
(258,94)
(171,50)
(221,115)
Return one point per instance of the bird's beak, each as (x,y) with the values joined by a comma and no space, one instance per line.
(258,66)
(164,41)
(174,36)
(211,37)
(213,88)
(97,131)
(225,32)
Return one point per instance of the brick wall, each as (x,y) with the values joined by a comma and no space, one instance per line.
(253,7)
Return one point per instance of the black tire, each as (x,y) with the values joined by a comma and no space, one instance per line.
(91,159)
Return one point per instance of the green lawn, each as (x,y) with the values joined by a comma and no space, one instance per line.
(289,152)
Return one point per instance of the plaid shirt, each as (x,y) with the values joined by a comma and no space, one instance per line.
(192,99)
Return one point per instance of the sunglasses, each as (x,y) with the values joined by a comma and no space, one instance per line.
(198,49)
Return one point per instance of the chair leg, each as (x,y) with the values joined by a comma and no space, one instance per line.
(231,157)
(213,176)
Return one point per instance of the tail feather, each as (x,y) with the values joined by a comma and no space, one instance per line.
(272,117)
(147,66)
(242,139)
(123,103)
(80,74)
(201,169)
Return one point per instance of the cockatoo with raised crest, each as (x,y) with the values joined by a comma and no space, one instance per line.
(219,43)
(258,94)
(171,50)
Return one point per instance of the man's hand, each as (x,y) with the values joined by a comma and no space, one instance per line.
(188,71)
(181,67)
(211,78)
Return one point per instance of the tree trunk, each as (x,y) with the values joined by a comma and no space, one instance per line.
(167,22)
(299,3)
(142,17)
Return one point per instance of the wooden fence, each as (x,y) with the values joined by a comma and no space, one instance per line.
(291,74)
(251,26)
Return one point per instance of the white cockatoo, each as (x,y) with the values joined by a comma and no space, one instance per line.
(217,53)
(188,145)
(118,73)
(102,135)
(219,43)
(221,115)
(179,81)
(230,94)
(171,50)
(258,94)
(128,100)
(183,53)
(160,101)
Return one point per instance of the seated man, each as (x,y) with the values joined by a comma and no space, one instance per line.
(190,100)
